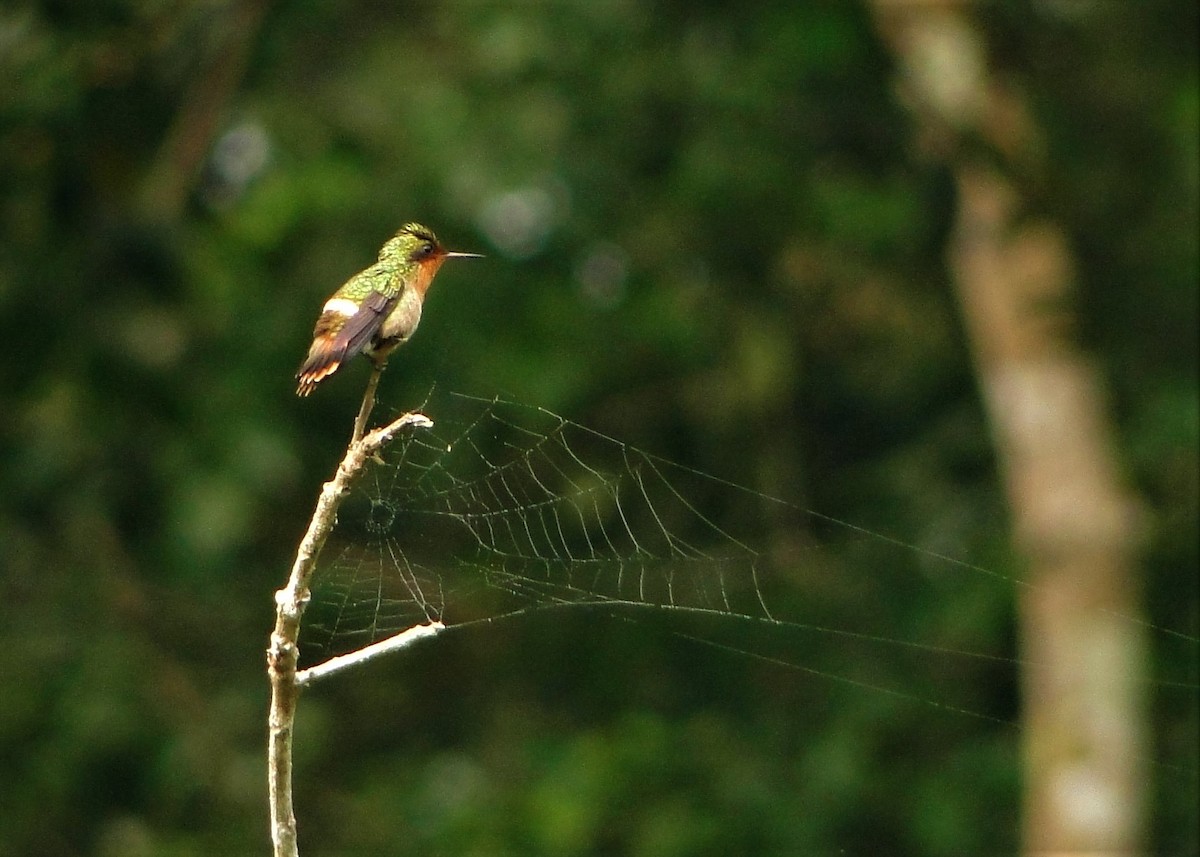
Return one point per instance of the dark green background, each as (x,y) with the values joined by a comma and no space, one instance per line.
(734,258)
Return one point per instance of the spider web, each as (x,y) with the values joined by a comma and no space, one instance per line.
(516,509)
(503,509)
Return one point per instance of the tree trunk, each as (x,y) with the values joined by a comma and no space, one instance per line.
(1083,647)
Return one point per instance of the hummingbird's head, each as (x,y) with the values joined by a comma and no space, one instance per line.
(416,251)
(416,244)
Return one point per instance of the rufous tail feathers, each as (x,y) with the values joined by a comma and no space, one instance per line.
(324,358)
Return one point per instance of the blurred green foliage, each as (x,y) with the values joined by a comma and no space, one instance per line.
(709,234)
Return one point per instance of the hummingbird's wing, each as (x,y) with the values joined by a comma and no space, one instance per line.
(334,343)
(364,324)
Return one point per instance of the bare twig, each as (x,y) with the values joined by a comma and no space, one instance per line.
(394,643)
(283,652)
(368,402)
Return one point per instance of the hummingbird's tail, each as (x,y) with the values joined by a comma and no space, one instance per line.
(324,358)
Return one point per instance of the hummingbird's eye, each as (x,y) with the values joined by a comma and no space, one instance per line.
(425,250)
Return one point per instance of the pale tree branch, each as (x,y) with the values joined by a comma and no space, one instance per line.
(387,646)
(290,602)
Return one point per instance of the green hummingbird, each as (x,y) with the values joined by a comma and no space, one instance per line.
(377,309)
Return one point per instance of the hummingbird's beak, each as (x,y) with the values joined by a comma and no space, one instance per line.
(454,255)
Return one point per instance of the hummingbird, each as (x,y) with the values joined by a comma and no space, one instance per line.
(377,309)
